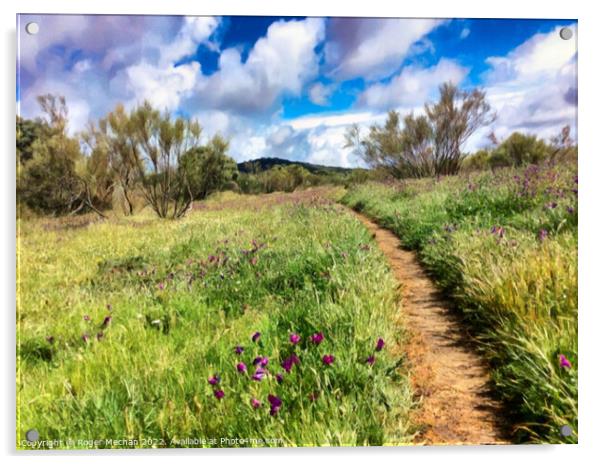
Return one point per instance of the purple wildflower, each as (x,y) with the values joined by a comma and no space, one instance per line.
(564,362)
(86,318)
(380,344)
(570,209)
(241,367)
(85,338)
(328,359)
(219,394)
(279,377)
(50,339)
(213,380)
(255,403)
(100,335)
(295,338)
(239,349)
(106,321)
(256,336)
(370,360)
(264,361)
(161,285)
(275,404)
(317,338)
(259,374)
(543,234)
(289,362)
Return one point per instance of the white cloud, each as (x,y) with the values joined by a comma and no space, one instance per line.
(534,87)
(372,48)
(165,87)
(413,86)
(320,93)
(465,33)
(280,63)
(195,31)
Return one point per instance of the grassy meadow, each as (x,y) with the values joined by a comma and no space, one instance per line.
(239,321)
(503,244)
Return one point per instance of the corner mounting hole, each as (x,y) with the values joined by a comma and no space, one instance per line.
(566,33)
(32,28)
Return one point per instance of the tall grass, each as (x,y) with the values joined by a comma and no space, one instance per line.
(122,323)
(503,245)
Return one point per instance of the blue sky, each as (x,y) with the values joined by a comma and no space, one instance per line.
(289,87)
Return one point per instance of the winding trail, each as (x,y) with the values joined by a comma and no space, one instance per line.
(447,373)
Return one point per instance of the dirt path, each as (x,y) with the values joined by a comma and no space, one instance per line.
(447,373)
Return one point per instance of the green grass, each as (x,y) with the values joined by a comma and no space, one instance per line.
(517,286)
(177,315)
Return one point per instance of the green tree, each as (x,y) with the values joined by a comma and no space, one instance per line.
(161,142)
(519,149)
(208,168)
(427,145)
(48,182)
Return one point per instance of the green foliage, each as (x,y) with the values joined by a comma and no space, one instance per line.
(428,145)
(28,132)
(207,168)
(182,295)
(48,182)
(503,245)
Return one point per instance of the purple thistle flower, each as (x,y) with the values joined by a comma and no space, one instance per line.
(213,380)
(289,362)
(570,209)
(106,321)
(255,403)
(241,367)
(161,286)
(239,349)
(264,361)
(219,394)
(256,336)
(317,338)
(86,318)
(380,344)
(564,362)
(328,359)
(85,338)
(100,335)
(259,374)
(275,404)
(370,360)
(279,377)
(295,338)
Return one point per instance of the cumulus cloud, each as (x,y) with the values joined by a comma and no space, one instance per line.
(164,86)
(280,63)
(534,87)
(114,65)
(372,48)
(413,86)
(320,93)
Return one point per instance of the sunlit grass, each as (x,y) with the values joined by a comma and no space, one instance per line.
(121,323)
(504,246)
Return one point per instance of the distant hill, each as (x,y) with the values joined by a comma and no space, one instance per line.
(263,164)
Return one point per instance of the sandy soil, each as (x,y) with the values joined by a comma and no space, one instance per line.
(448,375)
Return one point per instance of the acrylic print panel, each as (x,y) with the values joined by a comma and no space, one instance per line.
(267,231)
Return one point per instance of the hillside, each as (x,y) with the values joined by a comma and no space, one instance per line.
(263,164)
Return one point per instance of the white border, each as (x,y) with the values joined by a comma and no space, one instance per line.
(590,230)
